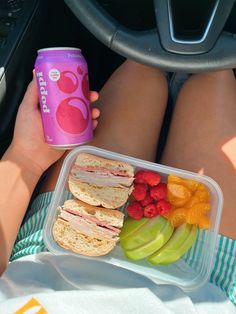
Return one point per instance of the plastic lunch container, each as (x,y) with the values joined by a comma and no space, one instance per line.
(185,275)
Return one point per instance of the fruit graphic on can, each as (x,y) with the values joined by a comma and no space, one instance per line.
(63,89)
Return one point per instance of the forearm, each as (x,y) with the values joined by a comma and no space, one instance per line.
(18,179)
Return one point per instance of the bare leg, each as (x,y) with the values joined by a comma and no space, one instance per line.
(132,104)
(202,136)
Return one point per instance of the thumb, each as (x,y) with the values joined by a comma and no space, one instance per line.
(31,95)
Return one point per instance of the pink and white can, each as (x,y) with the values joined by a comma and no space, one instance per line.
(63,89)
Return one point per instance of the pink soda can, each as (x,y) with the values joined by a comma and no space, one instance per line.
(63,89)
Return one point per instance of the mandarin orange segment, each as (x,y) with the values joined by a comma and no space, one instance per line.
(204,207)
(174,179)
(177,217)
(200,208)
(192,219)
(193,201)
(178,194)
(197,211)
(202,193)
(190,201)
(204,222)
(190,184)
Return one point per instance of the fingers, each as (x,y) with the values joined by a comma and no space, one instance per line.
(95,112)
(31,95)
(94,123)
(93,96)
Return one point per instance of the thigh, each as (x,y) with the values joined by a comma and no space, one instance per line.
(132,104)
(202,136)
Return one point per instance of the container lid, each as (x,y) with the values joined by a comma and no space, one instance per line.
(188,276)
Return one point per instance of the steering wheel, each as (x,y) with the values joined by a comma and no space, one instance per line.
(167,46)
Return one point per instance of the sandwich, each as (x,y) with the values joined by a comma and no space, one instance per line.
(86,229)
(101,182)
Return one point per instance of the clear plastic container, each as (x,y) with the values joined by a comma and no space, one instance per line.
(186,276)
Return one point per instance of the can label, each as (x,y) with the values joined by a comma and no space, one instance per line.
(63,89)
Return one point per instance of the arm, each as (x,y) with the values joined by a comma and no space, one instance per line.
(21,167)
(18,177)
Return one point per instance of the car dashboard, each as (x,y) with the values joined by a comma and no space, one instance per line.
(18,21)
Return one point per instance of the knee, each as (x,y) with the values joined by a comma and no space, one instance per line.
(147,72)
(219,76)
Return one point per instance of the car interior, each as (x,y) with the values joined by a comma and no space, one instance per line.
(175,35)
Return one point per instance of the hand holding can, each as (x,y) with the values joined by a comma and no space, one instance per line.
(63,88)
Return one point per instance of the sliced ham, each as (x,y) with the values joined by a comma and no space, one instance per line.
(101,177)
(88,227)
(101,169)
(93,219)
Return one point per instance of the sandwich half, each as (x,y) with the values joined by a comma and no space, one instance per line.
(86,229)
(101,182)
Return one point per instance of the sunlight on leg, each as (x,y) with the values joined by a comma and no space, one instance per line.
(229,149)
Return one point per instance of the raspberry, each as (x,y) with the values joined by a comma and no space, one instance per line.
(147,176)
(163,207)
(159,192)
(150,211)
(147,200)
(139,192)
(135,210)
(138,178)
